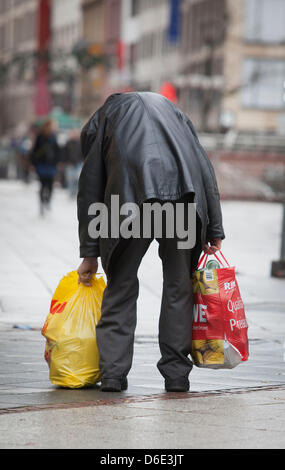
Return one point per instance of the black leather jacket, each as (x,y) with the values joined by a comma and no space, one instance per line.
(140,146)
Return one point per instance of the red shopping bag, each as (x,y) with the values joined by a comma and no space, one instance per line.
(219,331)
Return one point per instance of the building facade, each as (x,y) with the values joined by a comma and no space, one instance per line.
(154,55)
(232,69)
(92,77)
(102,41)
(130,34)
(66,32)
(139,53)
(201,78)
(254,65)
(114,49)
(18,40)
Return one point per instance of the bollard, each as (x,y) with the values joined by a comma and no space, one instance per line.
(278,267)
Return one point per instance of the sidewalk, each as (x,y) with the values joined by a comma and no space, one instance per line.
(35,253)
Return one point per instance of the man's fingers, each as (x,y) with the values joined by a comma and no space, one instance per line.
(215,246)
(87,268)
(85,282)
(206,248)
(84,278)
(87,275)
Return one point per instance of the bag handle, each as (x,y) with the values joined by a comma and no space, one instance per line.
(205,258)
(223,259)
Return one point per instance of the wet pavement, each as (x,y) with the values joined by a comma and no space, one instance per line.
(24,380)
(35,253)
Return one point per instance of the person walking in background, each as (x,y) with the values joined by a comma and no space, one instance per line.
(73,161)
(44,158)
(141,147)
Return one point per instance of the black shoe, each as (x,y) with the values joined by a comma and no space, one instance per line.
(114,385)
(177,385)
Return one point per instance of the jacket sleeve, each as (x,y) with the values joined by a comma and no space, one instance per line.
(215,224)
(92,182)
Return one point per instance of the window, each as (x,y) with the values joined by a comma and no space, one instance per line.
(135,4)
(4,5)
(263,83)
(265,21)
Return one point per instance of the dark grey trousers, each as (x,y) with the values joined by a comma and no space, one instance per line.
(116,328)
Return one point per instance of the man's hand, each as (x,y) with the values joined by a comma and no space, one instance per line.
(88,267)
(215,245)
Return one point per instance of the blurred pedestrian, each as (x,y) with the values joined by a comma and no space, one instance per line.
(140,147)
(73,161)
(45,157)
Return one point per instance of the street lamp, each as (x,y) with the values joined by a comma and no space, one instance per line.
(278,267)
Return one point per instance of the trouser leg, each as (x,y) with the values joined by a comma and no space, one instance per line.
(49,189)
(116,328)
(175,323)
(46,187)
(42,189)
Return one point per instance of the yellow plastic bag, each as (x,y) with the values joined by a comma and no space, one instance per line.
(70,331)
